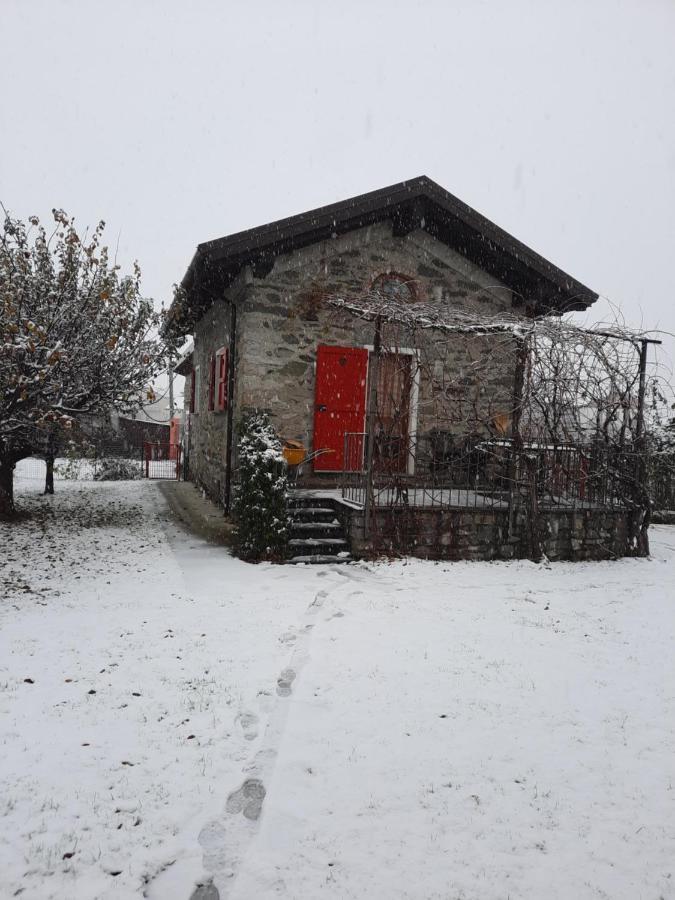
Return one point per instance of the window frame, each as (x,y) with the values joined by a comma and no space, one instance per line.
(395,279)
(222,378)
(212,382)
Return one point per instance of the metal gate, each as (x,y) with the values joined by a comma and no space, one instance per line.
(162,460)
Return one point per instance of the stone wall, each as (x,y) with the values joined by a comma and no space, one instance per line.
(208,428)
(283,316)
(455,534)
(286,316)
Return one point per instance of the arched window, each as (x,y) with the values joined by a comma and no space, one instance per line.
(393,286)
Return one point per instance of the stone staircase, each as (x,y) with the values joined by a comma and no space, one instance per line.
(317,535)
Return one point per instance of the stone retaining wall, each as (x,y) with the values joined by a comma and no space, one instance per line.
(456,534)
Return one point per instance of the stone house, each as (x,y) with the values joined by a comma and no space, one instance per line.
(264,336)
(258,305)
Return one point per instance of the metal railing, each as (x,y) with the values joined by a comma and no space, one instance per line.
(441,470)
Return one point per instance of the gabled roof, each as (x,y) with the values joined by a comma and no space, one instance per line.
(420,203)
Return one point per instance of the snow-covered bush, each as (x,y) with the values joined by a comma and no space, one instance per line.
(661,438)
(117,469)
(260,503)
(75,462)
(69,468)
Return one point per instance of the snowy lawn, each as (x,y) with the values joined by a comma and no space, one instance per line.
(397,730)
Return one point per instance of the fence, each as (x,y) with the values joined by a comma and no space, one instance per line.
(439,470)
(108,463)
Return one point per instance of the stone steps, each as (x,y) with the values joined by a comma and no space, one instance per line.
(317,535)
(309,513)
(319,544)
(316,558)
(309,502)
(316,530)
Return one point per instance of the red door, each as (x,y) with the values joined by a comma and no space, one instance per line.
(340,402)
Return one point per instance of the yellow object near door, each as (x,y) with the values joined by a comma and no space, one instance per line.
(294,452)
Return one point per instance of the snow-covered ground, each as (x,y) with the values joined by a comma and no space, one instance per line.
(403,730)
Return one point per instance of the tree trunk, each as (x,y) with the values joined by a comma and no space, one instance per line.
(643,536)
(639,495)
(50,456)
(49,477)
(7,509)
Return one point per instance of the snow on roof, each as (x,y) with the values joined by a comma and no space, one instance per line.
(184,362)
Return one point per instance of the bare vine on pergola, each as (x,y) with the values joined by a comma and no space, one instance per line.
(536,382)
(578,382)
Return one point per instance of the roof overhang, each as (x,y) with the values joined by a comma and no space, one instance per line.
(537,285)
(184,362)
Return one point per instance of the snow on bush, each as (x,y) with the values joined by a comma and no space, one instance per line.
(260,504)
(661,437)
(116,469)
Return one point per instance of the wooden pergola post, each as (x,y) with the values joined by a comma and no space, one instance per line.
(642,493)
(371,417)
(522,352)
(640,424)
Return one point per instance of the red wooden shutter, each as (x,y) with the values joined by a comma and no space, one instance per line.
(212,381)
(192,391)
(222,379)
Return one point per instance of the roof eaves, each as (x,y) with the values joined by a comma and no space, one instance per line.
(323,217)
(284,235)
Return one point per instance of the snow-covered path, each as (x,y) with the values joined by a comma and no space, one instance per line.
(395,730)
(146,650)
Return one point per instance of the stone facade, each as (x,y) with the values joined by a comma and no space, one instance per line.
(286,317)
(283,317)
(208,428)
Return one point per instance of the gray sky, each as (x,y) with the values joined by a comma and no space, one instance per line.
(179,122)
